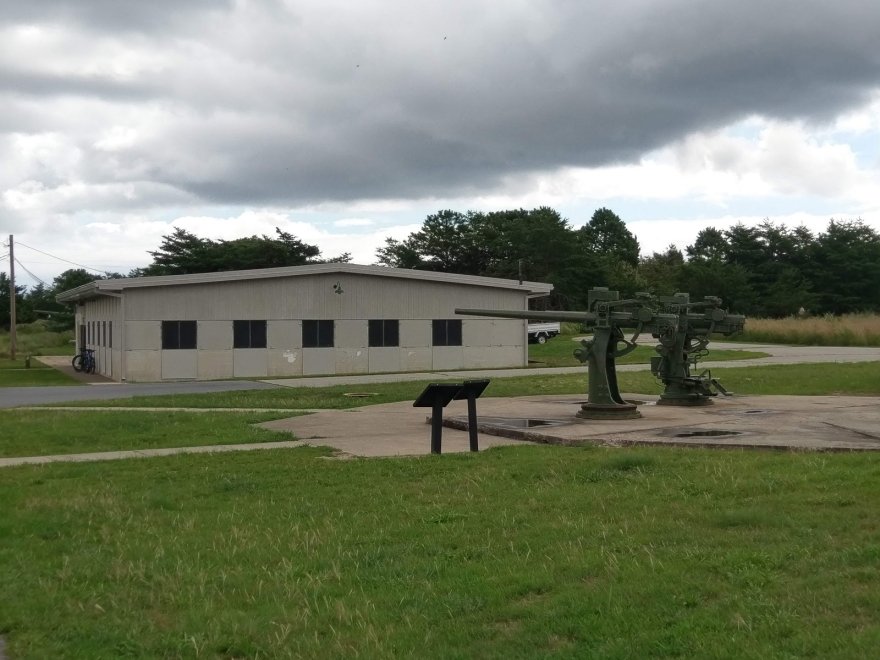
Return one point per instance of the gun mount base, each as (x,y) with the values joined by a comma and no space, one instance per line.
(691,391)
(608,411)
(690,399)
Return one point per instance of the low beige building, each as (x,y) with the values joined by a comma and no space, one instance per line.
(298,321)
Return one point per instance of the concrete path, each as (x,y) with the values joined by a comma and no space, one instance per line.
(143,453)
(291,411)
(14,397)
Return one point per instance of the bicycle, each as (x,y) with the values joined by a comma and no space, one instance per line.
(84,361)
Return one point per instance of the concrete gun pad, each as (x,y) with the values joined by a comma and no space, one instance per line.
(819,423)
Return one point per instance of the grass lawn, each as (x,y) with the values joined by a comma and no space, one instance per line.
(35,432)
(517,552)
(559,352)
(14,374)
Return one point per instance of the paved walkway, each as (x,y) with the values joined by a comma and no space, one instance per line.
(64,364)
(143,453)
(14,397)
(188,410)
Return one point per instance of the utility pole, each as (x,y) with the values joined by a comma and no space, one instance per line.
(11,299)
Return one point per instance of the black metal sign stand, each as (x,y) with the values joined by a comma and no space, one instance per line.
(437,396)
(471,390)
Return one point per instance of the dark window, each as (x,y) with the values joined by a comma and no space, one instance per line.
(249,334)
(110,334)
(384,333)
(178,334)
(317,334)
(103,333)
(447,332)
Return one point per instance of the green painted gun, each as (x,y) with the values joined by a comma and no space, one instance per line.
(680,350)
(682,328)
(607,316)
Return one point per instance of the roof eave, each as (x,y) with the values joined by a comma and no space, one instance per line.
(532,289)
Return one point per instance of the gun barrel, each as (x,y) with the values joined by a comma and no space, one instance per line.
(537,316)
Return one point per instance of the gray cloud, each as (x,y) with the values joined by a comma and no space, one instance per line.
(125,15)
(262,105)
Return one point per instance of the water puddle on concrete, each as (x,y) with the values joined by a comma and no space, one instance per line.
(516,422)
(700,433)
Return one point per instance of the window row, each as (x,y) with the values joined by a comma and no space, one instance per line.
(315,334)
(98,333)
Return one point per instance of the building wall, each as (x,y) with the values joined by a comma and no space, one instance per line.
(101,318)
(314,297)
(284,302)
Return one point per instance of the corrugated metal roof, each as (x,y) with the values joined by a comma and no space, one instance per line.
(100,287)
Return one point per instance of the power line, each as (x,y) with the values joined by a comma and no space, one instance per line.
(99,270)
(25,269)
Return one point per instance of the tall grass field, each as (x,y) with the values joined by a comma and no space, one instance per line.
(828,330)
(37,339)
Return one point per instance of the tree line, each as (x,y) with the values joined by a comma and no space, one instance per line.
(768,270)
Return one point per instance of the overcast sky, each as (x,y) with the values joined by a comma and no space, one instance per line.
(346,122)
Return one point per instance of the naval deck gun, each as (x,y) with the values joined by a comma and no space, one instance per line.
(682,328)
(679,351)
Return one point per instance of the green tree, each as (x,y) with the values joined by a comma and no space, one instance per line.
(730,282)
(399,254)
(5,306)
(538,244)
(607,255)
(182,252)
(64,316)
(445,243)
(662,271)
(746,247)
(844,267)
(789,292)
(607,236)
(710,245)
(72,278)
(40,302)
(771,259)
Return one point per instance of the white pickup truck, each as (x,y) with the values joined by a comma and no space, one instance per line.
(541,332)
